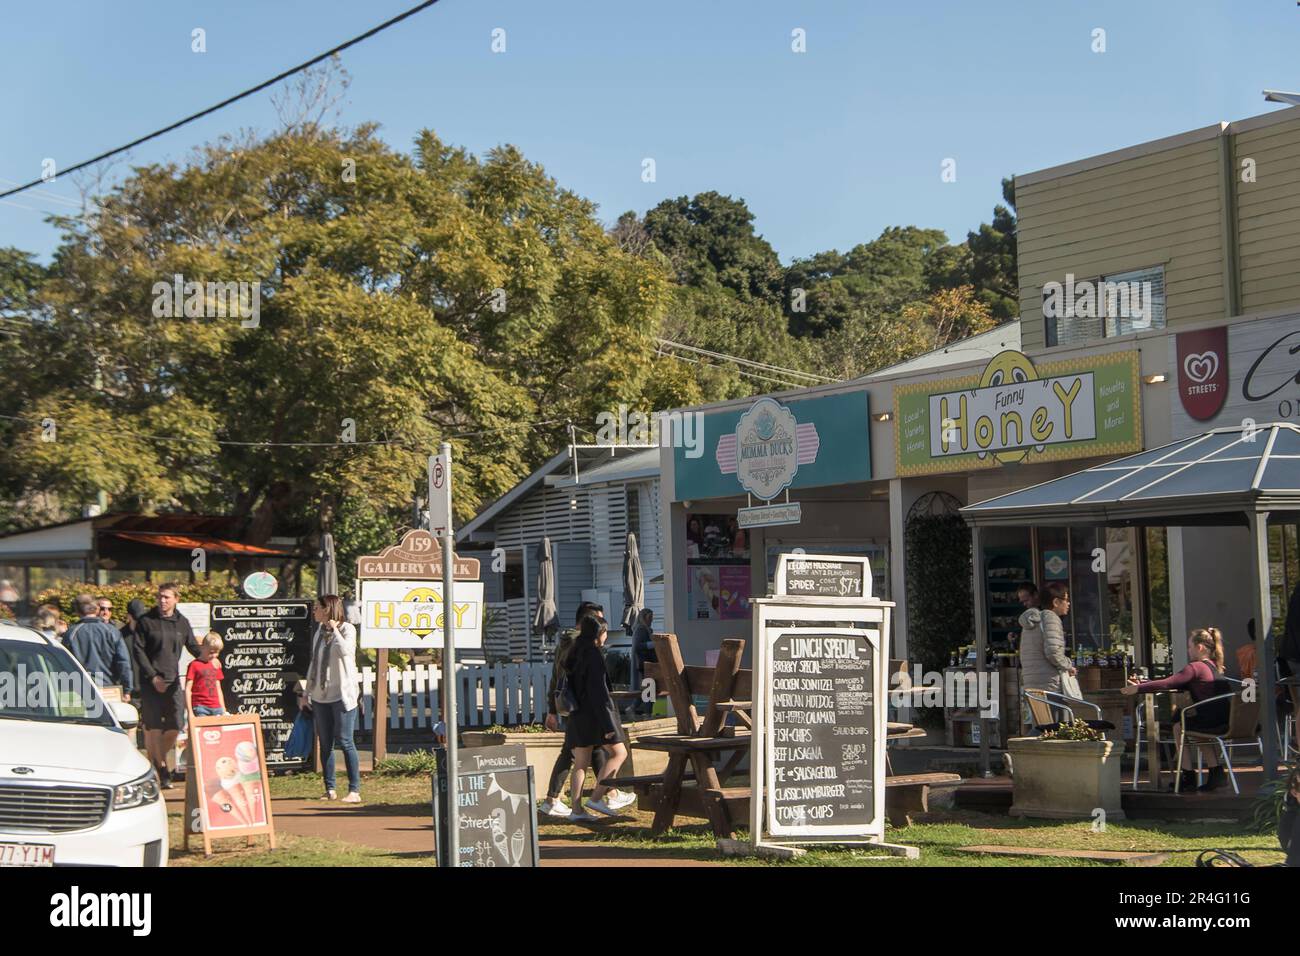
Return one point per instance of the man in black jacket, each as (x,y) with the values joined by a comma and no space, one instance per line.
(160,636)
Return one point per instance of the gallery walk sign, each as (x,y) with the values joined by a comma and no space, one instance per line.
(417,558)
(400,592)
(1016,411)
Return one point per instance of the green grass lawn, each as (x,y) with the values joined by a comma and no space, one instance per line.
(937,837)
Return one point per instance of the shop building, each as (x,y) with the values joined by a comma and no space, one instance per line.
(585,500)
(1135,266)
(116,547)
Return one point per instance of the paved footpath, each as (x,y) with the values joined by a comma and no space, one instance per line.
(412,836)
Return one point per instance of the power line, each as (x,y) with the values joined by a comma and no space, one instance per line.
(794,373)
(401,442)
(232,99)
(47,194)
(741,371)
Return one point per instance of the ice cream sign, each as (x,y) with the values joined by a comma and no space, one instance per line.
(1018,412)
(412,614)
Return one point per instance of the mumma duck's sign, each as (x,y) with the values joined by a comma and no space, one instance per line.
(1016,411)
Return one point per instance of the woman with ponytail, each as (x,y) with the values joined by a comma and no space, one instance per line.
(1203,679)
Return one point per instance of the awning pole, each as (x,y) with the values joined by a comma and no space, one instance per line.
(981,642)
(1264,636)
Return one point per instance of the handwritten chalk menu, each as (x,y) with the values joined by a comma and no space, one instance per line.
(267,650)
(821,716)
(498,816)
(822,576)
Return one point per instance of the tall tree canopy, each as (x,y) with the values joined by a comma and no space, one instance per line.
(405,299)
(402,299)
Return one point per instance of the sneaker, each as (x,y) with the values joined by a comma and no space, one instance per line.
(330,795)
(600,806)
(582,816)
(617,800)
(165,779)
(352,797)
(555,808)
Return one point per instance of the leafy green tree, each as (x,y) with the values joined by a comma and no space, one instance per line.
(709,239)
(403,299)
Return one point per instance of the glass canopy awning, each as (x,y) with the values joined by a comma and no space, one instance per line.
(1214,478)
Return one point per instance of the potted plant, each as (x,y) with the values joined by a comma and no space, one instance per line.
(1068,773)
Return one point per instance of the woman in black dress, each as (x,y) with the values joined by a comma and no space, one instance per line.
(594,722)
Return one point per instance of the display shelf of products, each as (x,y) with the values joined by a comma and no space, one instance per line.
(1005,570)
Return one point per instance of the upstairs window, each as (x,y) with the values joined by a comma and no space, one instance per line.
(1076,311)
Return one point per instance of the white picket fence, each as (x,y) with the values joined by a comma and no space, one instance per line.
(486,694)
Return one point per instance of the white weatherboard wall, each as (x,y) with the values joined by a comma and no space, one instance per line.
(588,526)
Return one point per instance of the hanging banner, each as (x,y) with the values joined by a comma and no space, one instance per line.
(1016,411)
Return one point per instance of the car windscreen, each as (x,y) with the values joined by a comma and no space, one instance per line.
(41,682)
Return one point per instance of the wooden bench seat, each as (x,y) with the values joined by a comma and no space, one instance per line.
(909,793)
(645,782)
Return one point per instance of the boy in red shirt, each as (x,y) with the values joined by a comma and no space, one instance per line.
(203,679)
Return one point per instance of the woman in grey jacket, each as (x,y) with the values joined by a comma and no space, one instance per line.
(1042,641)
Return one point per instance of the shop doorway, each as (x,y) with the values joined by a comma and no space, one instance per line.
(1101,567)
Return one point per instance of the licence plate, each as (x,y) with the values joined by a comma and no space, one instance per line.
(26,854)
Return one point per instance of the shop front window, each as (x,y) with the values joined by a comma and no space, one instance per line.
(1283,571)
(1159,660)
(717,568)
(1121,577)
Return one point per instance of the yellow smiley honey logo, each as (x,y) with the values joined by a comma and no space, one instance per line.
(422,625)
(1008,368)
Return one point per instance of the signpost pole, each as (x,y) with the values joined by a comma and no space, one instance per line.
(440,507)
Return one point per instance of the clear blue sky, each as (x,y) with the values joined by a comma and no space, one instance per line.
(827,147)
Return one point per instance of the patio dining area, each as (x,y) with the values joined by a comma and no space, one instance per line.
(1239,477)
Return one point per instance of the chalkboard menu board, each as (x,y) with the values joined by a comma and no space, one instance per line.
(822,577)
(267,650)
(821,720)
(498,816)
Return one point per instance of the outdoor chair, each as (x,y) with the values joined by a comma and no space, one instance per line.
(1242,731)
(1290,743)
(1042,703)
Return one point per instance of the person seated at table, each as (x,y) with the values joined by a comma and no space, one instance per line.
(1203,679)
(594,722)
(1042,641)
(1247,656)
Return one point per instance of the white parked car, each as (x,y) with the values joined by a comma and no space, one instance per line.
(74,790)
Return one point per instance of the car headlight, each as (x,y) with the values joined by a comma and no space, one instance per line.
(137,793)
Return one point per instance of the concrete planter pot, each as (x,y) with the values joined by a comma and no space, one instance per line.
(544,749)
(1065,779)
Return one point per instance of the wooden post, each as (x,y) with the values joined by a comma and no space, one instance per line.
(381,704)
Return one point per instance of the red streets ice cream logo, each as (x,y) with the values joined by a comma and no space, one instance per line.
(1203,371)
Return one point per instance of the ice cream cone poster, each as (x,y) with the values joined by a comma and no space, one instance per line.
(228,787)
